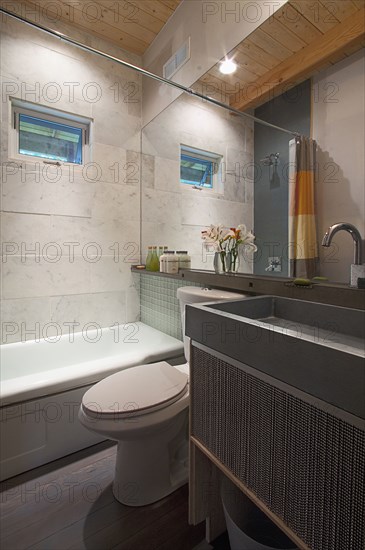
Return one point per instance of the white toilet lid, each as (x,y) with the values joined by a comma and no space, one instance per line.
(137,390)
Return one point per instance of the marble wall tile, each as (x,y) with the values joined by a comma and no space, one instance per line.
(116,202)
(20,232)
(249,187)
(33,193)
(247,215)
(148,171)
(235,188)
(246,260)
(161,206)
(116,128)
(25,318)
(203,261)
(160,139)
(112,237)
(238,162)
(32,276)
(198,210)
(134,101)
(104,309)
(111,162)
(120,88)
(167,175)
(249,141)
(175,236)
(110,273)
(3,144)
(47,67)
(132,169)
(19,317)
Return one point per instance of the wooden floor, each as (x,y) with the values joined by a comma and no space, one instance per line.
(69,504)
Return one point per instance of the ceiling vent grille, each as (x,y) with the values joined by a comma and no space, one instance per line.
(177,60)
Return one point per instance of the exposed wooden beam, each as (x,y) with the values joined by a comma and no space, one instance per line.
(296,68)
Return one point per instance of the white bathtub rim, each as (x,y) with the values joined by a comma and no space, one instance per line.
(29,387)
(37,352)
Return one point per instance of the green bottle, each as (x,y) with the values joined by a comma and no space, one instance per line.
(155,262)
(149,258)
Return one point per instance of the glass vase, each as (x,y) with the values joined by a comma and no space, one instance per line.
(219,263)
(232,261)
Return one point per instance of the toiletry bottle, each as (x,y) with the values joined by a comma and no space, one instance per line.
(155,263)
(163,263)
(163,259)
(172,262)
(184,259)
(187,260)
(148,260)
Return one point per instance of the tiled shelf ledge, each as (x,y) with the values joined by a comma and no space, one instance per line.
(326,293)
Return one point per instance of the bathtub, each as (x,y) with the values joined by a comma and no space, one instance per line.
(43,381)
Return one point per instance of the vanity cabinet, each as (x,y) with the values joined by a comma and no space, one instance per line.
(301,460)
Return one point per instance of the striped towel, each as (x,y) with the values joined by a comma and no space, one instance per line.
(303,244)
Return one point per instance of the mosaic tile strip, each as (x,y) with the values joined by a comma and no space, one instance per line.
(159,305)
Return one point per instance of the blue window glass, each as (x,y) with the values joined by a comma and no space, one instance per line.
(50,140)
(196,171)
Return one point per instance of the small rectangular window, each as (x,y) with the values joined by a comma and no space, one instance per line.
(198,168)
(50,140)
(49,134)
(196,171)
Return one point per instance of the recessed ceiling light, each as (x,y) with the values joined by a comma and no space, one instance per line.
(228,66)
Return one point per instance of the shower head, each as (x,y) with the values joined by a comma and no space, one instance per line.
(272,159)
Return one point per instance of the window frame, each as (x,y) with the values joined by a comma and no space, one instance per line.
(35,110)
(207,156)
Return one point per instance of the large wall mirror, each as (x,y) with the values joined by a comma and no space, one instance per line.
(251,183)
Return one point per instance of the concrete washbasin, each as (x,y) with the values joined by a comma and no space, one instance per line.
(317,348)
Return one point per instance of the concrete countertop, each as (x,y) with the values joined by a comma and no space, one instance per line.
(326,293)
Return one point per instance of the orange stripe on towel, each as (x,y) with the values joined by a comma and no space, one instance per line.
(304,193)
(304,240)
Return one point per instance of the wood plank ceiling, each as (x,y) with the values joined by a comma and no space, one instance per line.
(131,25)
(301,38)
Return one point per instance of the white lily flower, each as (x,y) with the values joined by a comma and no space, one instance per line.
(228,240)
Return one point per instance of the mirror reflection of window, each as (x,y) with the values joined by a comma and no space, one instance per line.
(198,168)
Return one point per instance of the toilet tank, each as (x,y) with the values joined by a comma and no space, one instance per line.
(193,295)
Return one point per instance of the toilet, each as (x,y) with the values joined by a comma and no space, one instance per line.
(145,409)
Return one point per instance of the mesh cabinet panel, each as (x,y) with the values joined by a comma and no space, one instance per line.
(305,464)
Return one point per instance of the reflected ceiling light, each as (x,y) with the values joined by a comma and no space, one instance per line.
(228,66)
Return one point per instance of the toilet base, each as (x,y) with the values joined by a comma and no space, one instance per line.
(149,469)
(129,495)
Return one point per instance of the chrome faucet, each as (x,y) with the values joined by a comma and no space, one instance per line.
(344,226)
